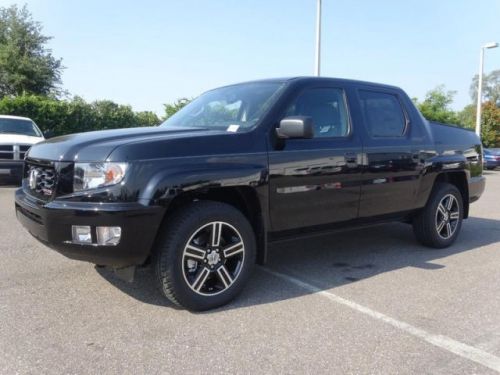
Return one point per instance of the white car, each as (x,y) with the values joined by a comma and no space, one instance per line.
(17,135)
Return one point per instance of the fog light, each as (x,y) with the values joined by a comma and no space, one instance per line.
(108,235)
(81,234)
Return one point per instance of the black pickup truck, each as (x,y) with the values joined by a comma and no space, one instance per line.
(201,196)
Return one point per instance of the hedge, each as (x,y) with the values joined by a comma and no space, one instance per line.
(75,115)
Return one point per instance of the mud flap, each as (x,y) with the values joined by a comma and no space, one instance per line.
(126,273)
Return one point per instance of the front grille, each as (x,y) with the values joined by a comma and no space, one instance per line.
(6,152)
(23,149)
(13,152)
(40,180)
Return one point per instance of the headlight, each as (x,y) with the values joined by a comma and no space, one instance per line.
(95,175)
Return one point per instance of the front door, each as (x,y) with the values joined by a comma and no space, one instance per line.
(317,181)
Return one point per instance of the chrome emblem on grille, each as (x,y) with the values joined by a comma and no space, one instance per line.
(33,178)
(41,180)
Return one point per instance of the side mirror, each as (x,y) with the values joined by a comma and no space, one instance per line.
(296,127)
(48,134)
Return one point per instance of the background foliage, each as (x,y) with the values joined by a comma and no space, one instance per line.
(76,115)
(171,109)
(30,79)
(437,107)
(26,65)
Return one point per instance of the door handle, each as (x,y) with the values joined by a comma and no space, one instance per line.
(351,157)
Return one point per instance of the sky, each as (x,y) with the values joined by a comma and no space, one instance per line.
(147,53)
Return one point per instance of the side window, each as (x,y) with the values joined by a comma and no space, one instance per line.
(383,114)
(327,108)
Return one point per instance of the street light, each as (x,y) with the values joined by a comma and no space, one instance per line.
(318,39)
(480,85)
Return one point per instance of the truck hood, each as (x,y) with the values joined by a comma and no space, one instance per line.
(18,139)
(98,145)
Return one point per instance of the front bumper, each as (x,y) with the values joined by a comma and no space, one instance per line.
(51,223)
(476,188)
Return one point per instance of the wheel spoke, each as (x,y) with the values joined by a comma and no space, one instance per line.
(224,276)
(454,215)
(215,234)
(450,202)
(195,252)
(200,280)
(233,249)
(448,230)
(442,209)
(441,226)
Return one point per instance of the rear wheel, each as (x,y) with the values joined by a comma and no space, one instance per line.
(205,255)
(439,222)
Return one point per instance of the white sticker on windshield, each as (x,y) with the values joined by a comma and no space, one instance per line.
(233,128)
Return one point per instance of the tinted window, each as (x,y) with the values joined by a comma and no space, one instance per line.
(383,114)
(327,108)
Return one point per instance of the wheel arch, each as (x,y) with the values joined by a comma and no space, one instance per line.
(243,198)
(459,180)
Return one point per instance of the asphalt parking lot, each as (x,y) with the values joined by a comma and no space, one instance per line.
(363,301)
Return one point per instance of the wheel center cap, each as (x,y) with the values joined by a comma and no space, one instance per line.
(445,216)
(213,258)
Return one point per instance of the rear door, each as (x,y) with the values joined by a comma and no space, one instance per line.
(316,181)
(392,145)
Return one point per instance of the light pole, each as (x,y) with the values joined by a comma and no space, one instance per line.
(318,40)
(480,86)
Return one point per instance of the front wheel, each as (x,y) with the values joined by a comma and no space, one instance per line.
(205,255)
(439,222)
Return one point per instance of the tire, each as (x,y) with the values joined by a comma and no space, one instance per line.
(196,270)
(440,221)
(490,168)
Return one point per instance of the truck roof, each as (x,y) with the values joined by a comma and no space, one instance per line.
(311,79)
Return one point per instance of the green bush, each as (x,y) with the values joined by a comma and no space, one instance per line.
(75,115)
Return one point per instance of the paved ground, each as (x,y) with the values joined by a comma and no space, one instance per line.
(365,301)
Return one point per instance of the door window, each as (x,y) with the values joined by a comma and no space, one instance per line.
(327,108)
(383,114)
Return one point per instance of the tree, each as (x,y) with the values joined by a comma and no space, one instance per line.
(75,115)
(490,124)
(436,106)
(146,118)
(491,87)
(171,109)
(467,116)
(26,64)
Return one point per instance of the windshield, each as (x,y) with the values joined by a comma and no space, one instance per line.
(19,126)
(233,108)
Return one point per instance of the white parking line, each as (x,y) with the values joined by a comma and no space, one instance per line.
(463,350)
